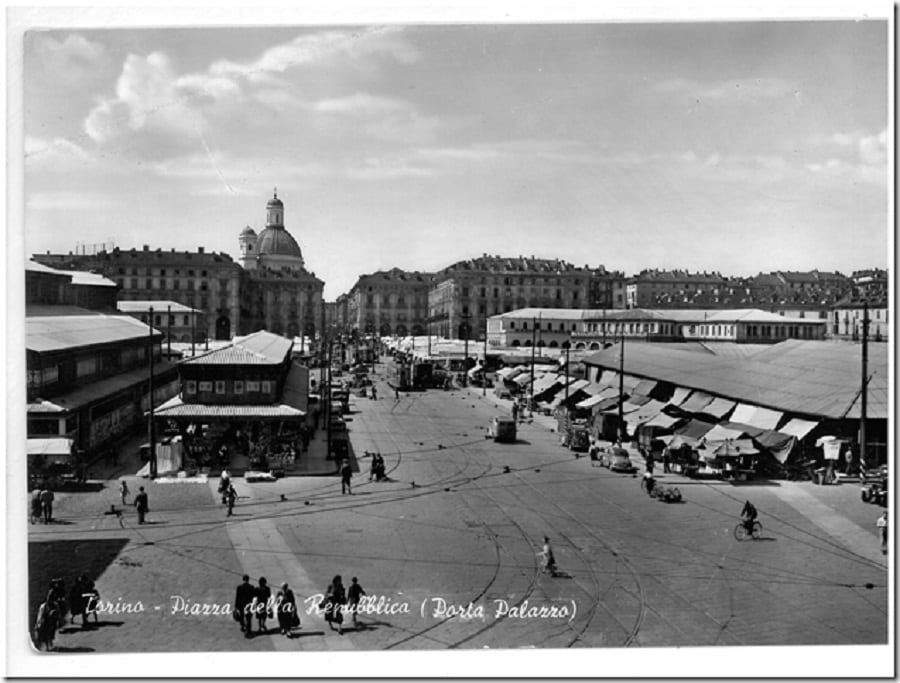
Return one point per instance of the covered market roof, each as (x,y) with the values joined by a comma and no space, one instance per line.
(61,332)
(175,407)
(820,378)
(259,348)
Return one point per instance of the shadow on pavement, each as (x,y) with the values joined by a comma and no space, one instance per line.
(73,649)
(67,560)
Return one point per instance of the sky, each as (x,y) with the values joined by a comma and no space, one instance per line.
(738,147)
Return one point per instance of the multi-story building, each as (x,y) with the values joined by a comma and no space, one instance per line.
(464,295)
(590,328)
(49,286)
(848,314)
(389,302)
(653,288)
(278,294)
(179,323)
(209,282)
(88,376)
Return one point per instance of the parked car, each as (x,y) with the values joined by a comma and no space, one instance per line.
(616,459)
(502,429)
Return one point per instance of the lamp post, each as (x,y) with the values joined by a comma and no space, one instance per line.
(863,405)
(621,382)
(484,362)
(151,430)
(533,342)
(465,317)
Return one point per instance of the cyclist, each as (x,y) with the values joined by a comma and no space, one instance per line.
(748,516)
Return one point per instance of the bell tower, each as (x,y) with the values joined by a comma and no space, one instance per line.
(275,212)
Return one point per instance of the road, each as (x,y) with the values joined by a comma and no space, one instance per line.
(447,551)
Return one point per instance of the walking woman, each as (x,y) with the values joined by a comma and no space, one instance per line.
(288,617)
(262,607)
(45,625)
(335,599)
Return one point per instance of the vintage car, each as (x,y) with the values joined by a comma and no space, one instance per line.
(502,429)
(616,459)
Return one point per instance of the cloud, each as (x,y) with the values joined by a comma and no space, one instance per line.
(71,60)
(315,48)
(362,104)
(67,201)
(732,91)
(57,152)
(855,155)
(873,149)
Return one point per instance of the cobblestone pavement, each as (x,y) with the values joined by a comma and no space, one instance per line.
(446,550)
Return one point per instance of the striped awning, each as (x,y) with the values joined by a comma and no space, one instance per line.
(798,428)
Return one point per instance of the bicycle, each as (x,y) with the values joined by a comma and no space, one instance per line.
(740,531)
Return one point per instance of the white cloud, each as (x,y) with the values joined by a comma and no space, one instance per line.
(70,60)
(67,200)
(362,104)
(732,91)
(873,149)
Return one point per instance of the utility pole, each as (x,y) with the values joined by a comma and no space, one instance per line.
(621,383)
(567,380)
(484,362)
(863,405)
(326,394)
(151,427)
(533,343)
(169,331)
(193,328)
(465,317)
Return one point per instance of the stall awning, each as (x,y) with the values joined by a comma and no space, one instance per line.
(627,407)
(590,402)
(679,395)
(756,416)
(53,446)
(663,420)
(695,429)
(697,402)
(509,373)
(731,448)
(645,387)
(749,430)
(646,412)
(778,444)
(176,408)
(522,379)
(719,408)
(798,428)
(720,433)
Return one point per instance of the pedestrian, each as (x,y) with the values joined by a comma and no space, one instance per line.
(354,593)
(45,624)
(374,393)
(649,462)
(397,393)
(123,489)
(142,505)
(346,474)
(230,498)
(882,524)
(665,459)
(224,483)
(515,411)
(288,617)
(549,561)
(76,600)
(47,505)
(263,608)
(335,599)
(243,599)
(36,515)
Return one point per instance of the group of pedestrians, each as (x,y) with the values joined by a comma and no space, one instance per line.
(81,600)
(41,506)
(257,602)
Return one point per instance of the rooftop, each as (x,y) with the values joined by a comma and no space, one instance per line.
(259,348)
(158,306)
(60,332)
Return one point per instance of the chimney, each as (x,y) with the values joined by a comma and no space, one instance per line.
(199,250)
(146,247)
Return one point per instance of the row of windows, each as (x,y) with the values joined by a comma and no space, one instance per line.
(161,272)
(149,283)
(538,326)
(237,386)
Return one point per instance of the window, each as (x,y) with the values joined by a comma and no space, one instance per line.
(252,386)
(134,284)
(171,319)
(88,366)
(190,387)
(238,387)
(149,283)
(175,284)
(157,320)
(266,387)
(206,386)
(220,386)
(187,320)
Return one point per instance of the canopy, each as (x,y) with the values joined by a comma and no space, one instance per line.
(57,448)
(720,433)
(756,416)
(662,420)
(798,428)
(627,407)
(695,429)
(591,401)
(749,430)
(645,387)
(676,441)
(522,379)
(778,444)
(733,448)
(697,402)
(509,373)
(679,395)
(719,408)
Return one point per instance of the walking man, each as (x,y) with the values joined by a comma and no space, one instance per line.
(346,474)
(230,498)
(123,489)
(882,524)
(515,412)
(47,505)
(374,393)
(354,593)
(243,599)
(142,505)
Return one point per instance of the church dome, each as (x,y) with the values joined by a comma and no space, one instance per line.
(275,201)
(276,241)
(248,231)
